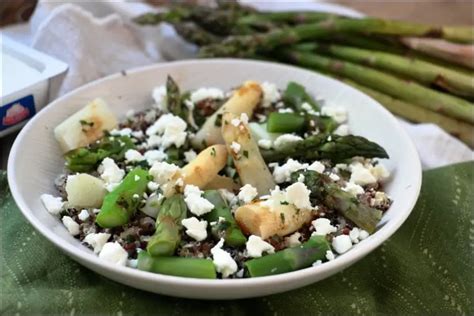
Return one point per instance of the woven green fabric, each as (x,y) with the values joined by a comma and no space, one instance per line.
(426,268)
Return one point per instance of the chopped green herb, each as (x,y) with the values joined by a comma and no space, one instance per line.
(218,121)
(246,154)
(284,203)
(213,152)
(85,123)
(282,217)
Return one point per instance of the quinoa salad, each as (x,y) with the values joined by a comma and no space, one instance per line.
(206,183)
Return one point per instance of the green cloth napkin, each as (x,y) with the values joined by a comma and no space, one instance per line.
(426,268)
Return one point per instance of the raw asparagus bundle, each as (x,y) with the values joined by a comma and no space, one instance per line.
(331,195)
(177,266)
(123,201)
(232,234)
(290,259)
(168,227)
(335,148)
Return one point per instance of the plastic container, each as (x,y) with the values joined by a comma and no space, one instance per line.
(25,82)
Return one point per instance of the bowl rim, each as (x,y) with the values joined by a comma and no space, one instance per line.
(92,259)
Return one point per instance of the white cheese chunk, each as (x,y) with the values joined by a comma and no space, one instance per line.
(361,175)
(353,188)
(152,156)
(270,94)
(171,128)
(114,253)
(206,93)
(222,260)
(153,141)
(317,166)
(163,172)
(323,227)
(283,173)
(256,246)
(71,225)
(286,139)
(247,193)
(83,215)
(330,255)
(159,96)
(342,130)
(97,241)
(354,235)
(298,195)
(380,172)
(265,143)
(110,172)
(341,243)
(196,204)
(190,155)
(338,113)
(133,155)
(52,204)
(195,228)
(235,147)
(363,234)
(293,240)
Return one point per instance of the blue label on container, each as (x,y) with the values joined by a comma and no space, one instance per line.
(16,112)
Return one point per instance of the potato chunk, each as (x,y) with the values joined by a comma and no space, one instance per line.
(204,168)
(247,160)
(84,190)
(85,126)
(258,219)
(244,100)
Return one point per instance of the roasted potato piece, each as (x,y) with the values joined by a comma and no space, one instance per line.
(248,161)
(85,126)
(204,168)
(261,220)
(244,100)
(84,190)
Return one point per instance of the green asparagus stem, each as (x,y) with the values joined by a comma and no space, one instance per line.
(193,33)
(424,72)
(167,236)
(242,46)
(408,91)
(335,148)
(173,98)
(285,123)
(331,195)
(295,95)
(290,259)
(464,131)
(120,204)
(229,229)
(177,266)
(86,159)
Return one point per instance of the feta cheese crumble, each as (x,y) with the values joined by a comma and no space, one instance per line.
(247,193)
(195,228)
(342,130)
(206,93)
(121,132)
(380,172)
(283,173)
(132,155)
(97,241)
(363,234)
(361,175)
(71,225)
(163,172)
(110,172)
(285,140)
(159,96)
(353,188)
(114,253)
(293,240)
(265,143)
(152,156)
(190,155)
(317,166)
(330,255)
(171,128)
(235,147)
(222,260)
(338,113)
(298,195)
(196,204)
(256,246)
(270,94)
(83,215)
(52,204)
(341,243)
(323,227)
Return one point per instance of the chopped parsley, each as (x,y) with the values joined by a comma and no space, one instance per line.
(213,152)
(246,154)
(282,217)
(218,121)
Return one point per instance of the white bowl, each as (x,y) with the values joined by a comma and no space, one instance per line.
(35,161)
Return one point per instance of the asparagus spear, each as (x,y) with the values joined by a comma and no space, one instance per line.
(120,204)
(295,95)
(86,159)
(286,123)
(335,148)
(193,33)
(329,193)
(464,131)
(409,91)
(424,72)
(177,266)
(168,226)
(290,259)
(232,234)
(242,46)
(173,98)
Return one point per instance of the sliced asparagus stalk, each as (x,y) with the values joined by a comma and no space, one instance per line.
(177,266)
(120,204)
(168,227)
(290,259)
(247,159)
